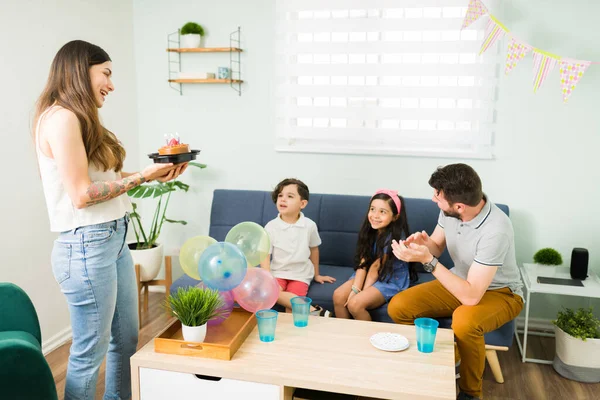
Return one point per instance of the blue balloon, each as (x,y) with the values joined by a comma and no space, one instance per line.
(222,266)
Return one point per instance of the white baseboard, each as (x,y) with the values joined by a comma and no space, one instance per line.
(536,324)
(57,340)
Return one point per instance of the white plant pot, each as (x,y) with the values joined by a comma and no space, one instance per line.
(150,261)
(193,333)
(190,40)
(577,359)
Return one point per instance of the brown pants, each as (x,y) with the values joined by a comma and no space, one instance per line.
(469,323)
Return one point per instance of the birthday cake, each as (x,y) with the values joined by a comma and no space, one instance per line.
(174,146)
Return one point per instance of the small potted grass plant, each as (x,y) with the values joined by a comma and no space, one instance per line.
(194,307)
(577,345)
(191,35)
(547,256)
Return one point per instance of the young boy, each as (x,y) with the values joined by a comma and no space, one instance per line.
(294,245)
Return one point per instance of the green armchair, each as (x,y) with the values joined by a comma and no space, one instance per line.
(24,372)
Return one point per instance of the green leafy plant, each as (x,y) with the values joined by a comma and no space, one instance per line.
(195,306)
(547,256)
(191,28)
(162,192)
(581,324)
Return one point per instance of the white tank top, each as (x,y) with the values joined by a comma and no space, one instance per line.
(64,216)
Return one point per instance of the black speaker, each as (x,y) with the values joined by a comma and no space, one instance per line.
(579,263)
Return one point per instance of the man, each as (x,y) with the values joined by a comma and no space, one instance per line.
(483,290)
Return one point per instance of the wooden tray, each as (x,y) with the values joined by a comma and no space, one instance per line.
(222,341)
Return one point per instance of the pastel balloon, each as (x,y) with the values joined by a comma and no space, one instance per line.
(257,291)
(222,266)
(252,239)
(190,253)
(227,307)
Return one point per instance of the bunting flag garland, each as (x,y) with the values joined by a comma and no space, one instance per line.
(571,72)
(475,10)
(516,52)
(543,64)
(494,31)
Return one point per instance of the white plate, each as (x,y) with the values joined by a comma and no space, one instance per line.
(389,341)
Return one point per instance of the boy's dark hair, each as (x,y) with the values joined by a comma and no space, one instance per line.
(369,238)
(459,183)
(302,188)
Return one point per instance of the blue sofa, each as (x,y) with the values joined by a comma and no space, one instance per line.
(338,218)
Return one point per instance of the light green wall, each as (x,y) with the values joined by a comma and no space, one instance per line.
(545,165)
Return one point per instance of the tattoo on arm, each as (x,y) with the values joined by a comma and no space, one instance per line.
(100,191)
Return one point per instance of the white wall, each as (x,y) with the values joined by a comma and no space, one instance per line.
(544,166)
(31,32)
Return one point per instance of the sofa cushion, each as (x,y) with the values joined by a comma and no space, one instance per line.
(322,294)
(19,335)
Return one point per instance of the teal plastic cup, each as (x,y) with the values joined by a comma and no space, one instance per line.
(267,322)
(300,310)
(426,331)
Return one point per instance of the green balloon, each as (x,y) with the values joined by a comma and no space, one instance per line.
(190,253)
(252,239)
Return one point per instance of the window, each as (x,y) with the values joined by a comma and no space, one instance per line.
(383,77)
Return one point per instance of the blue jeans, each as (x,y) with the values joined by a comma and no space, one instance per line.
(93,266)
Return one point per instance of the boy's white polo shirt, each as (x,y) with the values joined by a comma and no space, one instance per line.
(290,246)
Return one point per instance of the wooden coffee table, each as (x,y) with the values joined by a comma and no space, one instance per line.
(330,354)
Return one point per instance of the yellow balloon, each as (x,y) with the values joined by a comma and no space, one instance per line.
(190,253)
(252,239)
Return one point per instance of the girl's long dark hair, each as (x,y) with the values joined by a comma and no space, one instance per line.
(368,237)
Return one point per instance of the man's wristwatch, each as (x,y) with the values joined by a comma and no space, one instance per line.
(430,266)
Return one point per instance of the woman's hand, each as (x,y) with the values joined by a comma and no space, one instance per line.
(173,173)
(154,171)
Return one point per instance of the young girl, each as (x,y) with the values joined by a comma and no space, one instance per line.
(378,274)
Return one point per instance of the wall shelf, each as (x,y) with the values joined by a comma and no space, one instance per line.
(174,51)
(206,80)
(206,50)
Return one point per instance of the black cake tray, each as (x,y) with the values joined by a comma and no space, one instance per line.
(174,158)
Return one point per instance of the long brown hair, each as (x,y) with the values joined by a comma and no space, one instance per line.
(69,86)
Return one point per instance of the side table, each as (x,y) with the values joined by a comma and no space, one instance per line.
(530,273)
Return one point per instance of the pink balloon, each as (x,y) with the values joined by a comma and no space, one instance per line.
(226,308)
(258,290)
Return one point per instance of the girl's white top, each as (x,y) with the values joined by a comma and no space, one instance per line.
(64,216)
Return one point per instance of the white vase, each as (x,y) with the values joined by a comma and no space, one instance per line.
(190,40)
(193,333)
(577,359)
(150,261)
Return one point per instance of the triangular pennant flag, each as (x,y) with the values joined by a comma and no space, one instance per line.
(571,72)
(543,64)
(516,52)
(493,31)
(475,10)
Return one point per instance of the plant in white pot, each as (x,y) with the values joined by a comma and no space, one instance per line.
(194,307)
(191,35)
(577,345)
(145,250)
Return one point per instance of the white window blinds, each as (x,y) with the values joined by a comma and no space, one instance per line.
(383,77)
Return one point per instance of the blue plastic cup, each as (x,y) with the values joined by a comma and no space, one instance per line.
(300,310)
(267,322)
(426,330)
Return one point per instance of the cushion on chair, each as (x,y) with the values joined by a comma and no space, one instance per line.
(17,312)
(19,335)
(24,372)
(322,294)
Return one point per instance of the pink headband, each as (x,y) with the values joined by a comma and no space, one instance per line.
(393,194)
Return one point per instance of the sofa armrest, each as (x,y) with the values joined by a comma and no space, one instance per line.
(17,312)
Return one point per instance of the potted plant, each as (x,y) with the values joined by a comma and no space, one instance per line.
(577,345)
(194,307)
(547,256)
(145,250)
(191,34)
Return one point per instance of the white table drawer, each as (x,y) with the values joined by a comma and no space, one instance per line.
(161,385)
